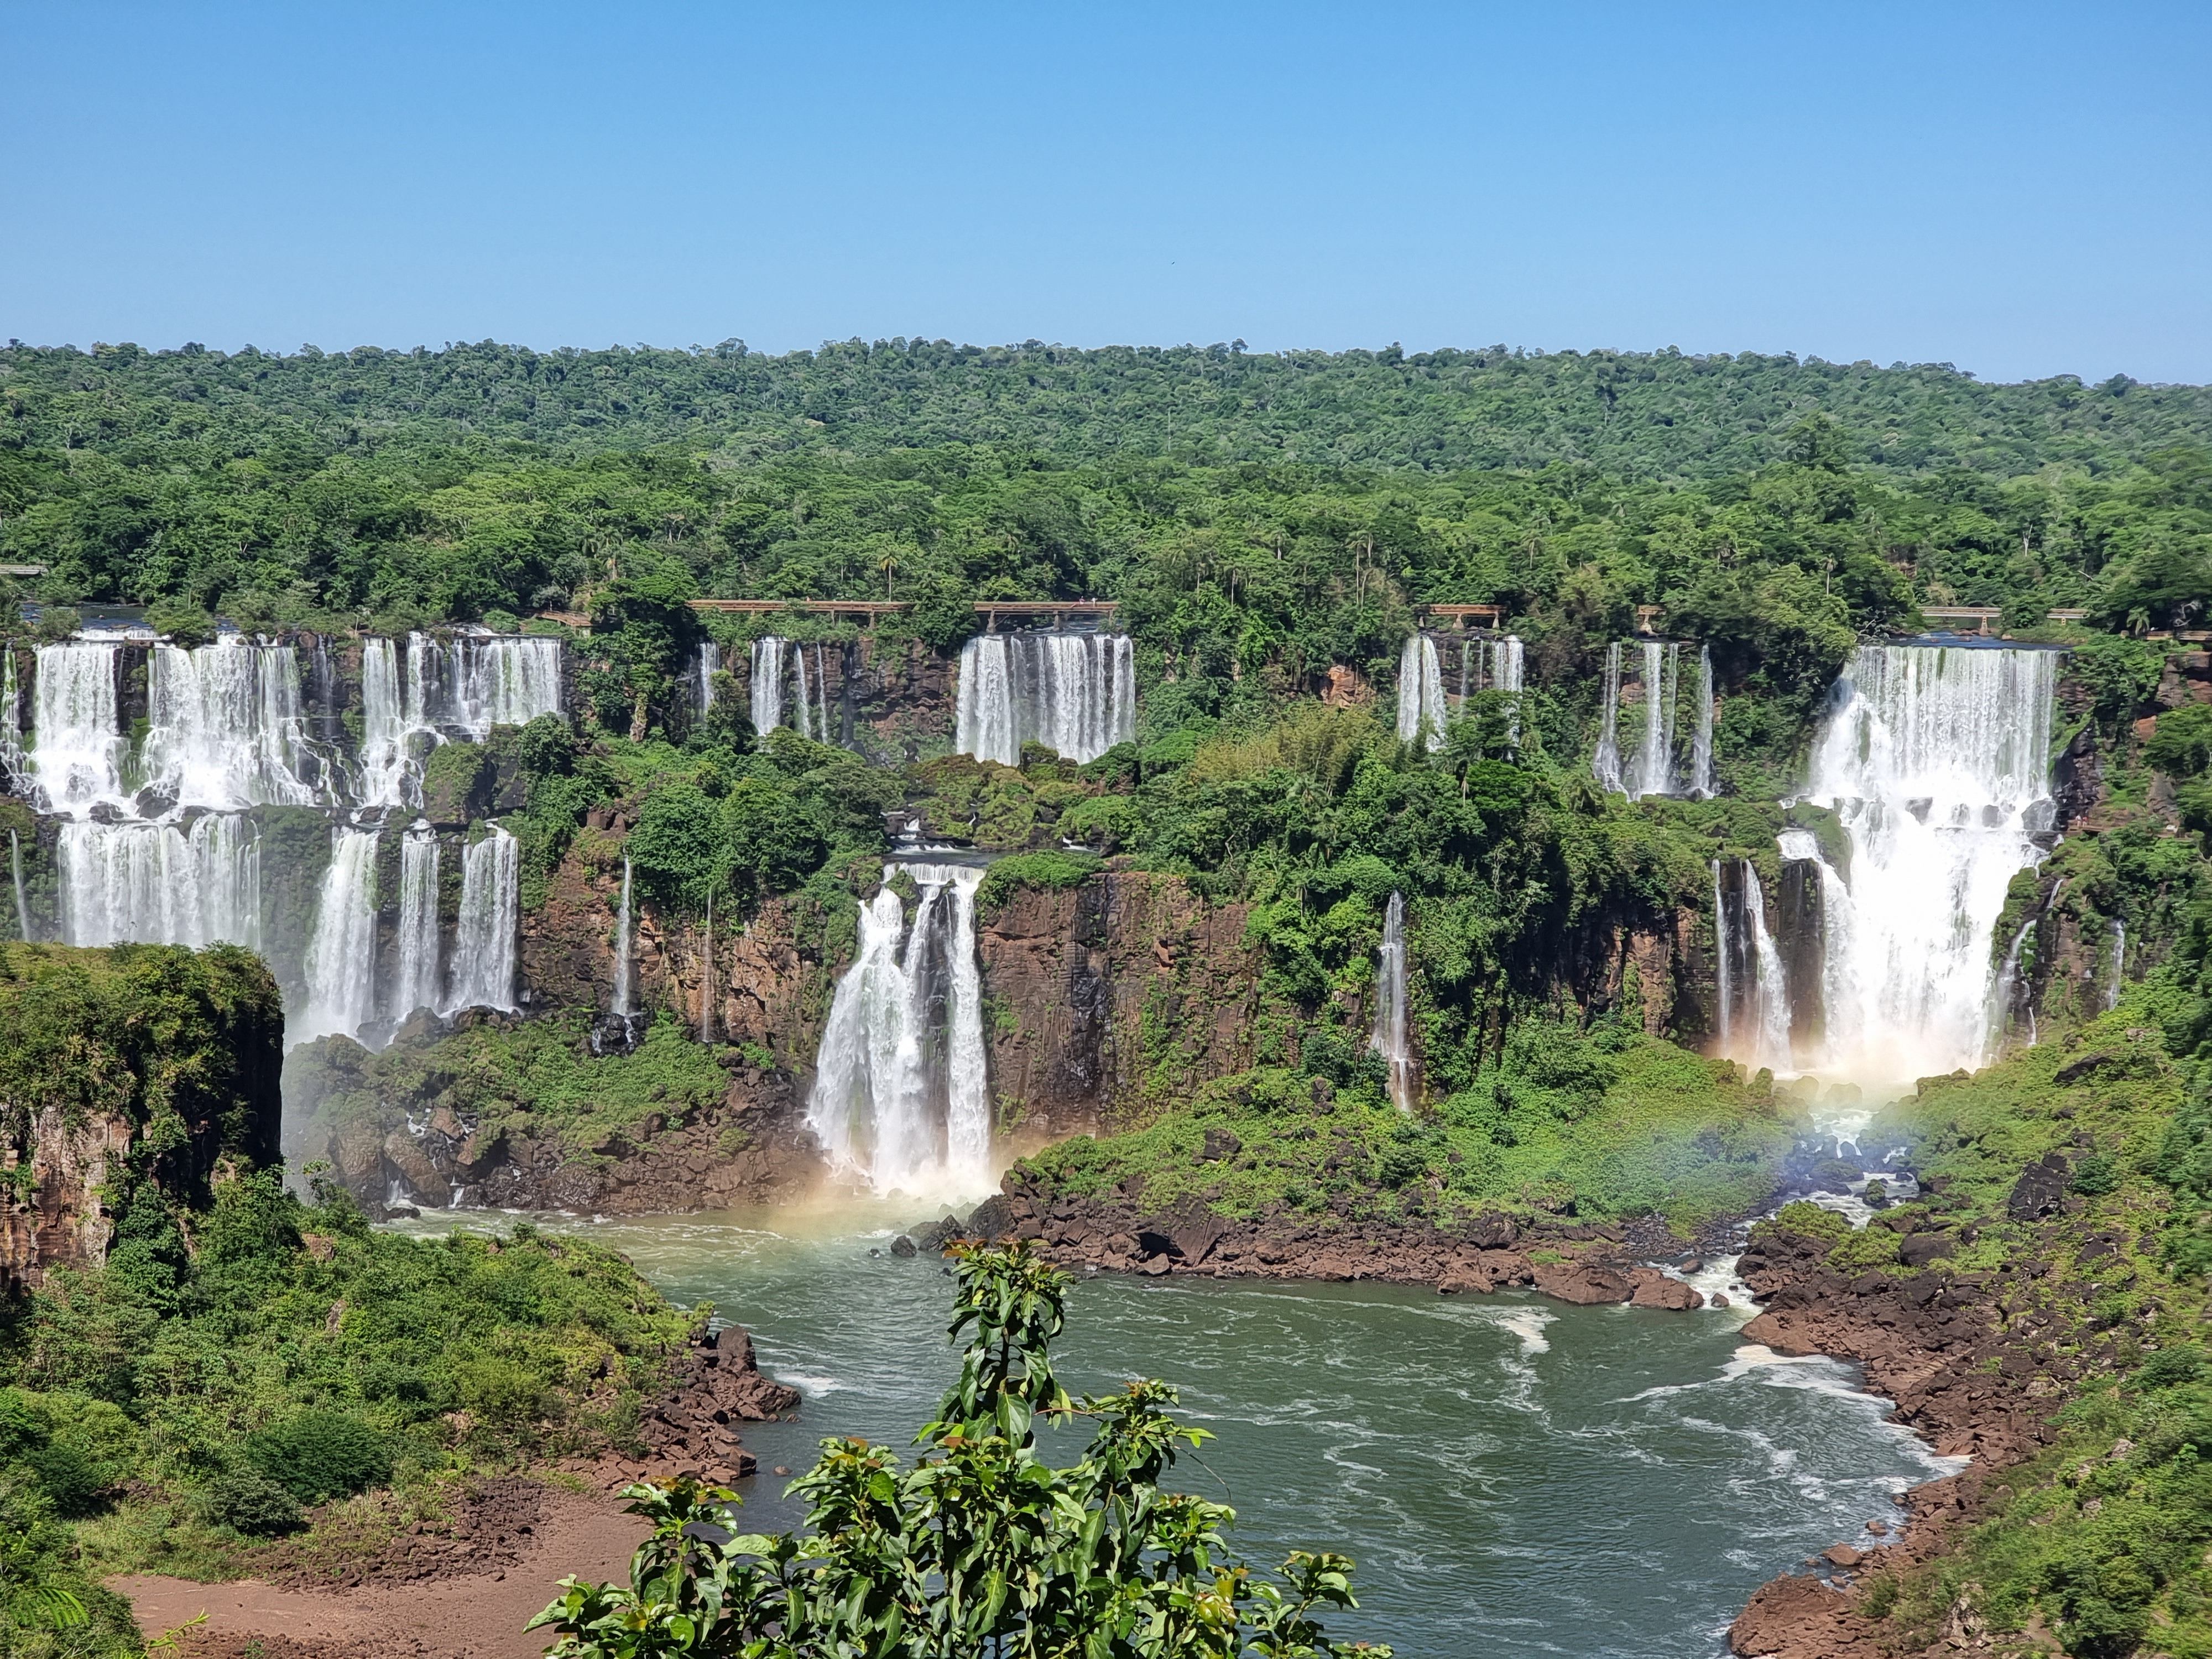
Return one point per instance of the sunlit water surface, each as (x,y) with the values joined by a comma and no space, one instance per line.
(1513,1476)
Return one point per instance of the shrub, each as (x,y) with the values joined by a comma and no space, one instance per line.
(2096,1176)
(72,1480)
(319,1454)
(250,1503)
(1807,1220)
(2169,1367)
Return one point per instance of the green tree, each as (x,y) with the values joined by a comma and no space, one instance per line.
(982,1548)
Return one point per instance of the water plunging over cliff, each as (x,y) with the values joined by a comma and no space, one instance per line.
(767,686)
(342,950)
(1389,1039)
(1074,693)
(416,694)
(484,934)
(417,984)
(704,667)
(1656,766)
(78,756)
(1936,761)
(901,1098)
(160,884)
(1421,710)
(226,728)
(1755,999)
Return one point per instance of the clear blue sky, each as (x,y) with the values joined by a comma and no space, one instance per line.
(2020,190)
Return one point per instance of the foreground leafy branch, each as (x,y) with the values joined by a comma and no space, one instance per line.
(980,1548)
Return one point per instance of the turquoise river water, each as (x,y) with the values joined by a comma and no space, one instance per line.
(1513,1476)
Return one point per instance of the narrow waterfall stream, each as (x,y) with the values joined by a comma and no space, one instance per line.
(1074,693)
(766,701)
(1421,710)
(1389,1039)
(901,1101)
(704,667)
(484,934)
(1605,760)
(342,951)
(416,984)
(22,910)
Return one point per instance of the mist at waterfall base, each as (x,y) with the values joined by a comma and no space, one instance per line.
(1512,1476)
(1934,760)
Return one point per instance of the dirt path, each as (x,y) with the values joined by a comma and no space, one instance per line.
(478,1616)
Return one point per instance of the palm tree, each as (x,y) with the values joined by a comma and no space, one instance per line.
(889,564)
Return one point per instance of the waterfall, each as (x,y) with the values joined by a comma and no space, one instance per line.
(1771,1000)
(160,884)
(1389,1035)
(1934,758)
(2112,989)
(1652,771)
(1074,693)
(1506,656)
(625,1002)
(341,965)
(484,933)
(767,684)
(226,728)
(703,670)
(1754,992)
(803,709)
(1701,746)
(417,984)
(1839,1014)
(22,910)
(13,762)
(499,679)
(987,722)
(395,725)
(900,1097)
(77,754)
(1605,763)
(1421,711)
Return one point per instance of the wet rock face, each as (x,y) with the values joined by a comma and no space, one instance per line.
(1078,974)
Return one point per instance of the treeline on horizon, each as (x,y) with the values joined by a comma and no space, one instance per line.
(1260,517)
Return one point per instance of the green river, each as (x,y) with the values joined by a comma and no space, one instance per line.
(1512,1476)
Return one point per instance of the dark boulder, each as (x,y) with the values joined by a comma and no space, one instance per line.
(994,1218)
(2040,1190)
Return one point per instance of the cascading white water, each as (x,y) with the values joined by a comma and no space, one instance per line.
(226,729)
(1074,693)
(1936,761)
(1605,761)
(1389,1035)
(23,909)
(1421,710)
(1652,772)
(1754,993)
(1701,744)
(766,700)
(77,757)
(485,930)
(160,884)
(341,962)
(2114,984)
(1506,658)
(397,726)
(499,679)
(416,984)
(704,667)
(625,998)
(803,705)
(1839,1013)
(13,762)
(901,1098)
